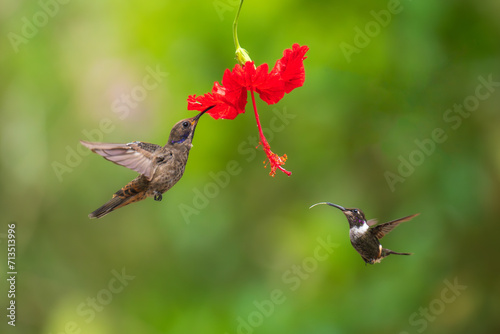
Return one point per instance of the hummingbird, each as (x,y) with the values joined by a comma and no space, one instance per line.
(159,167)
(365,236)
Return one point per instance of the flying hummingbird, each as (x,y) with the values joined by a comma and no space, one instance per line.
(364,237)
(159,167)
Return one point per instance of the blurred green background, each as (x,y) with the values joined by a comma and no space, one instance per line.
(243,256)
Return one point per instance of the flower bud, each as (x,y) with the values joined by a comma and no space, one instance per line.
(242,56)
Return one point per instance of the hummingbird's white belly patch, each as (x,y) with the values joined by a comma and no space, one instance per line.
(358,231)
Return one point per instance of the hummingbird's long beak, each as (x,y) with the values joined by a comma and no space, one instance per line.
(328,203)
(197,117)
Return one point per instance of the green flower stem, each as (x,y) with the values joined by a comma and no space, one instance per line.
(241,54)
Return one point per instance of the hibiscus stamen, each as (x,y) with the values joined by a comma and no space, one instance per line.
(275,161)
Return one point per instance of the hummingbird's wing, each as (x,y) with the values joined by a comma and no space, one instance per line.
(381,230)
(137,156)
(371,222)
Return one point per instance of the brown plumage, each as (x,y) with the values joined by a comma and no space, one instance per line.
(159,167)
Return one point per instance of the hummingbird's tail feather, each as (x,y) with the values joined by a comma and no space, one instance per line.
(132,192)
(111,205)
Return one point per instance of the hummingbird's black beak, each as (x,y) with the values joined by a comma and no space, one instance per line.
(197,117)
(330,204)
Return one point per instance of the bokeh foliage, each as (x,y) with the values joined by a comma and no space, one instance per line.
(350,124)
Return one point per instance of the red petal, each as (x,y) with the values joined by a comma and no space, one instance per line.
(236,77)
(223,109)
(232,102)
(233,92)
(269,86)
(201,102)
(271,89)
(291,67)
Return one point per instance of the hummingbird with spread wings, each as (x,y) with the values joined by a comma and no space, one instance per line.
(365,235)
(159,167)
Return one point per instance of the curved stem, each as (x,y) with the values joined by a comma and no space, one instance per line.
(235,27)
(241,54)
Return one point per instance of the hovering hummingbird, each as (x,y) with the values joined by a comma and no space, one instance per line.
(364,238)
(160,167)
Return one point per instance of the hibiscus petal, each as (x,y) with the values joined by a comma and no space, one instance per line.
(291,67)
(235,78)
(221,110)
(269,86)
(272,89)
(201,102)
(232,91)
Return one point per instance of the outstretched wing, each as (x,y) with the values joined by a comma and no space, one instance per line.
(381,230)
(137,156)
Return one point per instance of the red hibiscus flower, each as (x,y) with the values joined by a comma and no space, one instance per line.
(230,98)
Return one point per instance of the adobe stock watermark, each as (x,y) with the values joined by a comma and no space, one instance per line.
(221,179)
(87,310)
(363,37)
(222,6)
(30,26)
(11,273)
(453,117)
(292,280)
(122,107)
(425,315)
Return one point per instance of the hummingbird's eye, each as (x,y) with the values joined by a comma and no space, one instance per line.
(185,124)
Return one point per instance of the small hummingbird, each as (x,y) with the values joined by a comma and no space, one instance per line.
(160,167)
(364,238)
